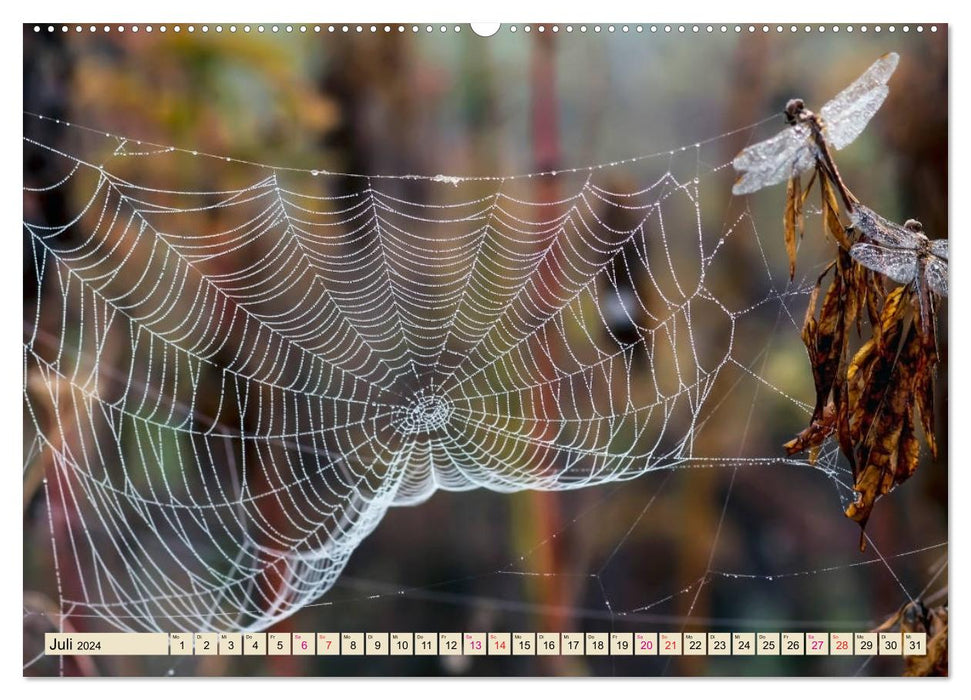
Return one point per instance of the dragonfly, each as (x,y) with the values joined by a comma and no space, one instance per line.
(902,253)
(808,136)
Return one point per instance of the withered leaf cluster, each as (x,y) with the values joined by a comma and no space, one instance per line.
(877,399)
(917,617)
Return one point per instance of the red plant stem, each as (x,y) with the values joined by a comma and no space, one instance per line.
(546,156)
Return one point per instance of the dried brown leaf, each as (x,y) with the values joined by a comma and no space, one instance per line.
(793,220)
(814,436)
(890,435)
(891,318)
(831,218)
(925,406)
(908,450)
(915,617)
(844,433)
(809,322)
(870,370)
(875,296)
(924,390)
(854,279)
(829,343)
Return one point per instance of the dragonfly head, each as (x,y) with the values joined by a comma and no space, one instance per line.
(917,228)
(794,111)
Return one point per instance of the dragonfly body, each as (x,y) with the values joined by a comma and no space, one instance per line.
(904,254)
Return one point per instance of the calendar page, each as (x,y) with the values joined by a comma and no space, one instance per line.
(473,350)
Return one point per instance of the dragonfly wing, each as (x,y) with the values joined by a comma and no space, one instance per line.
(935,272)
(898,265)
(879,230)
(774,160)
(842,131)
(847,114)
(939,247)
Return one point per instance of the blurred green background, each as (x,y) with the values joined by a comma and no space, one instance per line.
(517,102)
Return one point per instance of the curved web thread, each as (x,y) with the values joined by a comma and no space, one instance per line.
(233,386)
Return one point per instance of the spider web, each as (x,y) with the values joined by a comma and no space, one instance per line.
(231,388)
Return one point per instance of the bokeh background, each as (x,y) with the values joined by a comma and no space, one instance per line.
(433,102)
